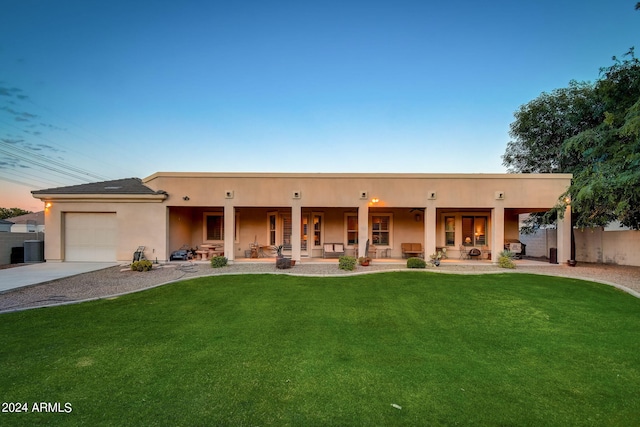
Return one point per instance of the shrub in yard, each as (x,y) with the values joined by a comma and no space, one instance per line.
(347,263)
(218,261)
(143,265)
(283,263)
(415,262)
(505,259)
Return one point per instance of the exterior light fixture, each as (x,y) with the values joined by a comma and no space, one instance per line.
(47,205)
(375,200)
(185,198)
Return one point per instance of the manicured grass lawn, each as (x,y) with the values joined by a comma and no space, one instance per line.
(509,349)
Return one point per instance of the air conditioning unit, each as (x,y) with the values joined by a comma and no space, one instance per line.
(33,251)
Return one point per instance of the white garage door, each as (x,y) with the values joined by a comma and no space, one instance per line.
(90,236)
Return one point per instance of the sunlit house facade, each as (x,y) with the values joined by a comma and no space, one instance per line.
(238,212)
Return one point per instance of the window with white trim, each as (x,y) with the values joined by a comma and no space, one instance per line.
(474,230)
(304,233)
(273,221)
(317,229)
(287,230)
(450,230)
(351,225)
(213,227)
(381,230)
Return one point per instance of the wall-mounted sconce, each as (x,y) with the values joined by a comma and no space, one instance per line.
(375,200)
(47,205)
(185,198)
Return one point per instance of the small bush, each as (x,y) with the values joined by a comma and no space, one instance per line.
(143,265)
(415,262)
(347,263)
(505,259)
(283,263)
(218,261)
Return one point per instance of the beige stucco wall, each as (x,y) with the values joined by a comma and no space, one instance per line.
(139,224)
(163,223)
(344,190)
(610,247)
(520,193)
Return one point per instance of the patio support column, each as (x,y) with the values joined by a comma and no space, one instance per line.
(497,232)
(564,236)
(429,231)
(229,230)
(363,227)
(296,224)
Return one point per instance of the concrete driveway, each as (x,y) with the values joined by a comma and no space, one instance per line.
(32,274)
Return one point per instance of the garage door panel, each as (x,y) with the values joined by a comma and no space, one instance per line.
(90,236)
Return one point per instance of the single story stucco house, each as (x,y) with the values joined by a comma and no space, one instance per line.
(107,221)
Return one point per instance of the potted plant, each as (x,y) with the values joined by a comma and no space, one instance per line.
(364,261)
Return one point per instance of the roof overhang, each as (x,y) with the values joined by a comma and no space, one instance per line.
(302,175)
(97,198)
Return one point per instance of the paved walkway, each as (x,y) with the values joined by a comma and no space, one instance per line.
(48,284)
(31,274)
(36,273)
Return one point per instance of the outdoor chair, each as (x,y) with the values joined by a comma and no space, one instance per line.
(464,253)
(332,250)
(516,248)
(412,250)
(474,253)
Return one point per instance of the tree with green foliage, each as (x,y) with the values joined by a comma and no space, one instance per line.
(542,126)
(593,132)
(606,185)
(12,212)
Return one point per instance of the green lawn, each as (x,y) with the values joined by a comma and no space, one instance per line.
(508,349)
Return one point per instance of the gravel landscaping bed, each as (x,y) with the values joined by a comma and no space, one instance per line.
(120,280)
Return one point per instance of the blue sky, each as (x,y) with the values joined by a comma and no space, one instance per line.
(114,89)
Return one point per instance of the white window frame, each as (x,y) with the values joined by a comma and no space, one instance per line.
(454,231)
(276,230)
(236,235)
(205,236)
(312,230)
(474,238)
(347,215)
(459,234)
(390,231)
